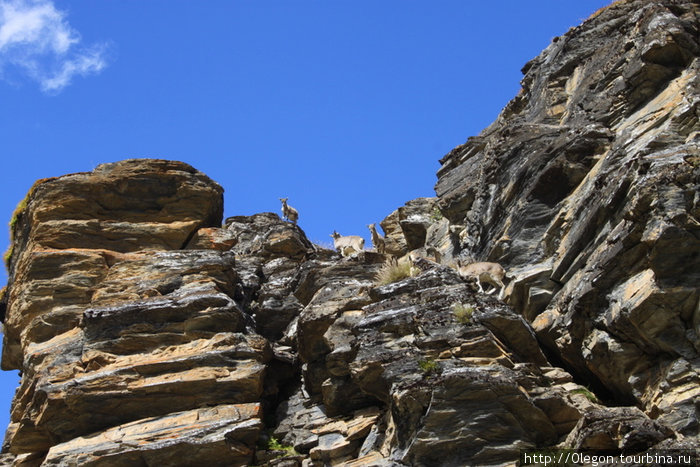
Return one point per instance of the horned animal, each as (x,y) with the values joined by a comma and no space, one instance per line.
(289,212)
(377,240)
(484,272)
(349,244)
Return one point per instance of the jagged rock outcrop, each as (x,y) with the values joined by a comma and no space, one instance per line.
(148,332)
(586,188)
(111,321)
(193,354)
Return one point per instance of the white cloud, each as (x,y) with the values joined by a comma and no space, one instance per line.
(37,41)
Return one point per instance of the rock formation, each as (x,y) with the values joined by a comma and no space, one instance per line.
(586,189)
(149,333)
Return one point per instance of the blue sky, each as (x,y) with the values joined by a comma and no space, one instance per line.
(345,107)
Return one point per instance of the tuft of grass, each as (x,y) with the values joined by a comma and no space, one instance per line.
(589,395)
(273,444)
(392,272)
(436,215)
(22,205)
(463,313)
(16,216)
(428,366)
(8,255)
(17,213)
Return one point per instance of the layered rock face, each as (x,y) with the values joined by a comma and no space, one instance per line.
(148,332)
(586,188)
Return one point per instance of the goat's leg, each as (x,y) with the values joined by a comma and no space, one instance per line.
(503,289)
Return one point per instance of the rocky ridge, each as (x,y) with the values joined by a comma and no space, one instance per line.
(149,332)
(586,189)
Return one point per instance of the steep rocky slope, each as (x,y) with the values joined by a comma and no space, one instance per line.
(586,188)
(148,332)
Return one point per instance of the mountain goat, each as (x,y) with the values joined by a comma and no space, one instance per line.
(377,240)
(289,212)
(489,273)
(347,245)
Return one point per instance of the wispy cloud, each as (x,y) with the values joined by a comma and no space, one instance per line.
(37,41)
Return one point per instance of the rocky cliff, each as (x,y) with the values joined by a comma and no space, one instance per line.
(149,333)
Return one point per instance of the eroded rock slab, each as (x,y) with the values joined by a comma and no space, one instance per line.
(224,435)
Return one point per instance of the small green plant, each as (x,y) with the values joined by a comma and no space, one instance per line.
(8,256)
(17,213)
(392,272)
(274,445)
(22,205)
(463,313)
(589,395)
(428,366)
(436,215)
